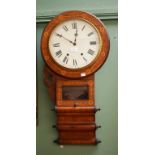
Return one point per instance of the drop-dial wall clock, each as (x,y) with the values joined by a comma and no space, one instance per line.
(74,46)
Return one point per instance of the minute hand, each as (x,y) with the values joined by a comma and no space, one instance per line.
(76,34)
(60,35)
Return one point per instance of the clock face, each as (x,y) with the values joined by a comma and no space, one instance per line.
(74,44)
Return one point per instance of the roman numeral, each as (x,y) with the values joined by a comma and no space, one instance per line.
(74,62)
(58,35)
(91,52)
(85,59)
(65,28)
(74,25)
(65,60)
(93,43)
(83,27)
(56,44)
(58,53)
(89,34)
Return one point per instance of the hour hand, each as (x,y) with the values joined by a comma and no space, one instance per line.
(60,35)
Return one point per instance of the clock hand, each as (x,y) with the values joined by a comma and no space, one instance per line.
(76,34)
(60,35)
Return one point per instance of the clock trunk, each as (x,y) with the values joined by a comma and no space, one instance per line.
(75,108)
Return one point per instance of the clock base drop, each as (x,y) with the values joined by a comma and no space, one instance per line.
(75,108)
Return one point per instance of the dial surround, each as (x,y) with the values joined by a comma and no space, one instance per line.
(74,44)
(79,70)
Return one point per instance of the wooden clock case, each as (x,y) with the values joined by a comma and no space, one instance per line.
(73,90)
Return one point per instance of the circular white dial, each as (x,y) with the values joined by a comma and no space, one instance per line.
(74,44)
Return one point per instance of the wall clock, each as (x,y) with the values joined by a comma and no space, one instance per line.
(74,46)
